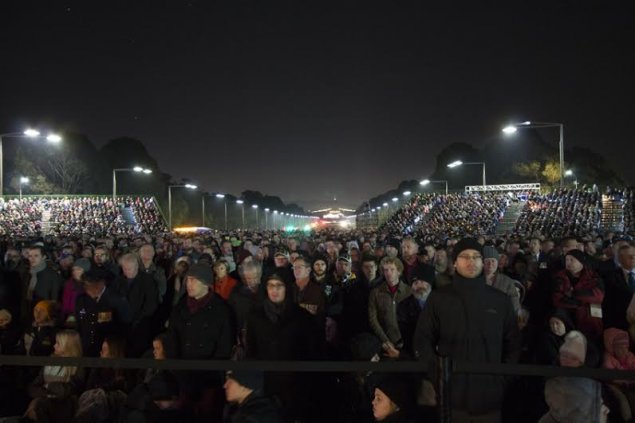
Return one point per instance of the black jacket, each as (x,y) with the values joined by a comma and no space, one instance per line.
(206,334)
(617,297)
(256,409)
(408,312)
(110,316)
(469,321)
(142,295)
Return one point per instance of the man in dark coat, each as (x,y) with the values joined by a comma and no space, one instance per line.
(201,328)
(620,287)
(142,294)
(471,321)
(281,330)
(99,312)
(44,283)
(244,390)
(409,310)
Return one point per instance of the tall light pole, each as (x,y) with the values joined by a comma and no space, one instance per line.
(23,180)
(266,218)
(255,207)
(428,181)
(29,133)
(188,186)
(458,163)
(275,213)
(511,129)
(242,207)
(569,172)
(222,196)
(137,169)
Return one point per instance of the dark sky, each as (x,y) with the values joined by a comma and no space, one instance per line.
(310,100)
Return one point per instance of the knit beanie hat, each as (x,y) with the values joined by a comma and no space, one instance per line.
(423,272)
(202,272)
(578,255)
(490,252)
(253,380)
(467,244)
(82,263)
(575,344)
(399,390)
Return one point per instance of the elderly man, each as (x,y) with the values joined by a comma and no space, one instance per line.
(497,279)
(471,321)
(141,292)
(146,253)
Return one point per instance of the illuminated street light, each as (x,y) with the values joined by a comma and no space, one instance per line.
(428,181)
(188,186)
(458,163)
(242,208)
(23,181)
(406,193)
(137,169)
(513,128)
(28,133)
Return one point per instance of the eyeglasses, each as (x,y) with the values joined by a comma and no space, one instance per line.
(275,286)
(475,257)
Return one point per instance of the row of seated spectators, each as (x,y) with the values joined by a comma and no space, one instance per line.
(561,213)
(452,215)
(98,216)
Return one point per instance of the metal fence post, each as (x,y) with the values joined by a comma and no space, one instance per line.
(444,373)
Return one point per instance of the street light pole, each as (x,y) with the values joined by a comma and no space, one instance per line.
(460,163)
(255,207)
(511,129)
(225,204)
(266,218)
(29,133)
(242,207)
(137,169)
(188,186)
(23,180)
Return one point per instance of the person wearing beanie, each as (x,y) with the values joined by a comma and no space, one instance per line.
(72,288)
(244,392)
(573,350)
(498,279)
(394,398)
(617,354)
(483,318)
(408,311)
(579,290)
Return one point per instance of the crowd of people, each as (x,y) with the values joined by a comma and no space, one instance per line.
(96,216)
(561,213)
(452,215)
(359,295)
(564,212)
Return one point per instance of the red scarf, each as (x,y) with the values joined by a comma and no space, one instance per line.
(194,305)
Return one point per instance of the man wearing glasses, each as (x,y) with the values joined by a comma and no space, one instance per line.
(469,320)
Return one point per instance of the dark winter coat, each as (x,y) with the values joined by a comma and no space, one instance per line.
(469,321)
(256,409)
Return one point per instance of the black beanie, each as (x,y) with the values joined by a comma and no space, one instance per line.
(253,380)
(578,255)
(423,272)
(400,390)
(467,244)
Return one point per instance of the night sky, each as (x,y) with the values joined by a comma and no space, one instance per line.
(315,100)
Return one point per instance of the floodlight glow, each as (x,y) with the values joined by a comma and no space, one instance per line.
(275,212)
(455,163)
(511,129)
(54,138)
(149,171)
(254,206)
(266,209)
(220,195)
(424,182)
(239,201)
(137,169)
(32,133)
(568,173)
(406,193)
(395,199)
(190,186)
(385,204)
(24,180)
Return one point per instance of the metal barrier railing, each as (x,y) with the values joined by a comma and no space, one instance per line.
(443,383)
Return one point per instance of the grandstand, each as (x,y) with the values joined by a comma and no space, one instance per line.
(81,215)
(559,213)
